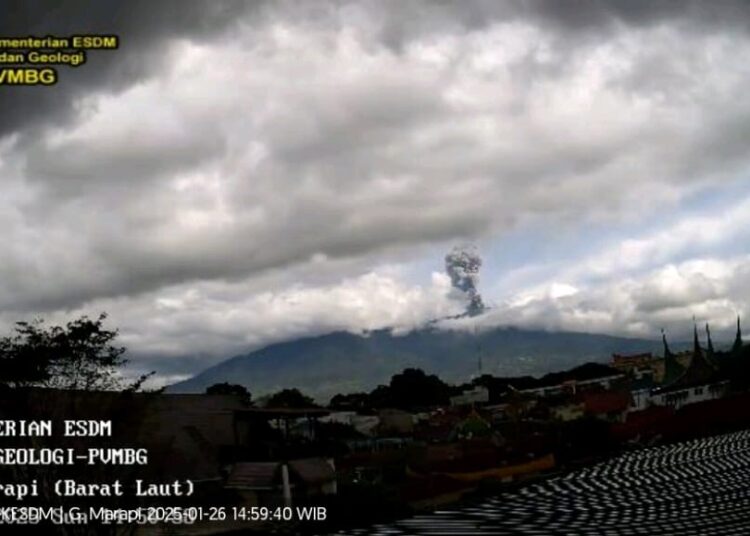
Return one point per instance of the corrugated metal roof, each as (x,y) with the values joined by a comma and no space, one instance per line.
(255,475)
(313,470)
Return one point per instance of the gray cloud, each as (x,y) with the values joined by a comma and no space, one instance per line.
(146,29)
(149,27)
(305,143)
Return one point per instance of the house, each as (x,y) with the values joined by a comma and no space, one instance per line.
(629,363)
(662,370)
(279,483)
(259,483)
(474,425)
(340,417)
(366,424)
(395,422)
(700,381)
(584,377)
(441,425)
(567,411)
(609,406)
(477,395)
(640,393)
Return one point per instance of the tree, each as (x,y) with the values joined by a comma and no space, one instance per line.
(290,398)
(349,402)
(79,355)
(410,389)
(227,388)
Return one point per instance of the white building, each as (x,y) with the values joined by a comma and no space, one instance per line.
(477,395)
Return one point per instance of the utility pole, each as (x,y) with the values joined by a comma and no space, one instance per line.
(479,352)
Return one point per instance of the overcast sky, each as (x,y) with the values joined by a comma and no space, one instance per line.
(243,173)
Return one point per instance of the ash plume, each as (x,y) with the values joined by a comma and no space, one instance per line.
(462,264)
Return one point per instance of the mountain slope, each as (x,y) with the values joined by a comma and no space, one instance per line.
(344,362)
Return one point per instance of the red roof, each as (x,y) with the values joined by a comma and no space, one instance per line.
(606,402)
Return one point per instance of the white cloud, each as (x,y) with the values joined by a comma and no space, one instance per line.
(308,146)
(287,140)
(712,290)
(213,320)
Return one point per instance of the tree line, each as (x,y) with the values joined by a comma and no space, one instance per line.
(80,355)
(410,389)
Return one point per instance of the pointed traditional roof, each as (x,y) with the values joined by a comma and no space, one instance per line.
(709,344)
(700,371)
(697,350)
(737,346)
(672,368)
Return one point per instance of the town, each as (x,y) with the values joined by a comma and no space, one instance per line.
(417,443)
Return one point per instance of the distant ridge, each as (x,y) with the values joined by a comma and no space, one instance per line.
(343,362)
